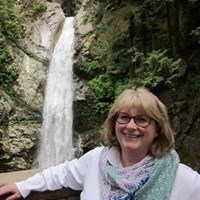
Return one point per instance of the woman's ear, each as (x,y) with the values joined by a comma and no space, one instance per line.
(158,130)
(157,134)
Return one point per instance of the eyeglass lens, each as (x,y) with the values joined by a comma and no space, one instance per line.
(140,120)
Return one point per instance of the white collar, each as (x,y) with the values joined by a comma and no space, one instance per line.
(114,157)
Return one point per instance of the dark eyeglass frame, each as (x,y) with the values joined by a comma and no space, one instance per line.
(148,119)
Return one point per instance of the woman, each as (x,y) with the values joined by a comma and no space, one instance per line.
(136,162)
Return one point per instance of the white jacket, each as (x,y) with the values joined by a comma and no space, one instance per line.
(83,174)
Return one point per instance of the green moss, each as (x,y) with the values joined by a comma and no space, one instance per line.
(37,10)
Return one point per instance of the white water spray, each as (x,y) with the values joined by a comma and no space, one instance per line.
(56,137)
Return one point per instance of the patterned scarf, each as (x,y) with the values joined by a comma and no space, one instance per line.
(150,179)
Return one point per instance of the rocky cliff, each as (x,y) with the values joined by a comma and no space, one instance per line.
(21,110)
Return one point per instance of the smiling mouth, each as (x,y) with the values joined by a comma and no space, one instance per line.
(131,136)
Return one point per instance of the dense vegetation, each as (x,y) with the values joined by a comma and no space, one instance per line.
(144,47)
(11,29)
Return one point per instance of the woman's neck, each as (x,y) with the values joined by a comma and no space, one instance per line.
(129,159)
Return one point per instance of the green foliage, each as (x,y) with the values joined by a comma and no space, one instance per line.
(104,91)
(156,68)
(11,29)
(8,74)
(138,43)
(91,12)
(150,71)
(37,9)
(92,65)
(11,20)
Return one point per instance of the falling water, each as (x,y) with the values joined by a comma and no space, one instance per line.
(56,137)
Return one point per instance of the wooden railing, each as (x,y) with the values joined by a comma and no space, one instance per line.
(62,194)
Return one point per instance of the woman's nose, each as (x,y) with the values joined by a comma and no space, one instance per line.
(131,124)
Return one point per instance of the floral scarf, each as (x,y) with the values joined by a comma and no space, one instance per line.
(150,179)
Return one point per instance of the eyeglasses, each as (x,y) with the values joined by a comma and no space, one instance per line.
(140,120)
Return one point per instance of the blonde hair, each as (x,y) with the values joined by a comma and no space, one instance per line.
(150,105)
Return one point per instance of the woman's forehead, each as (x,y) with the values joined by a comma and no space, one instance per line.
(130,104)
(132,107)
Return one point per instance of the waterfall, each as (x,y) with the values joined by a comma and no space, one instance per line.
(56,136)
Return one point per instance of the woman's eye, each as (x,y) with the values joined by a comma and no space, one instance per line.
(141,118)
(124,117)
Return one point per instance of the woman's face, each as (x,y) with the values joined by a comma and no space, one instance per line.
(134,139)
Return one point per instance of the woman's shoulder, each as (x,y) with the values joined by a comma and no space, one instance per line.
(185,171)
(93,153)
(187,184)
(186,175)
(96,150)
